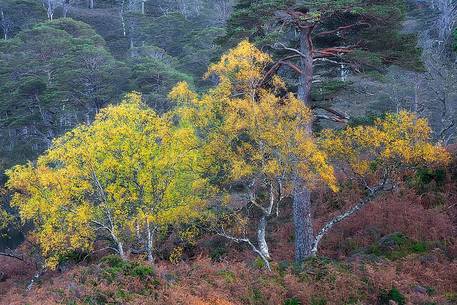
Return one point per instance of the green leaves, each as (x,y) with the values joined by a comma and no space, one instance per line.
(53,76)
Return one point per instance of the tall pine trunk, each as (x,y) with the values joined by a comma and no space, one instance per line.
(304,236)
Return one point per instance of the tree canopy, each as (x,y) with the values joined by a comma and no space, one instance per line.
(121,178)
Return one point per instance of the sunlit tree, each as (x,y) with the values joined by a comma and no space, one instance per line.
(377,158)
(120,178)
(256,136)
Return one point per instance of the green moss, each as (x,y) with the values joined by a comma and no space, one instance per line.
(217,252)
(114,266)
(318,301)
(314,269)
(122,295)
(228,276)
(427,178)
(141,271)
(292,301)
(256,297)
(259,263)
(396,246)
(114,261)
(392,295)
(451,296)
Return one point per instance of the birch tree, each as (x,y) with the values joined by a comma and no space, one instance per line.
(125,176)
(345,33)
(377,158)
(255,136)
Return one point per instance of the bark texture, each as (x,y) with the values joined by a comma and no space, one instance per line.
(302,217)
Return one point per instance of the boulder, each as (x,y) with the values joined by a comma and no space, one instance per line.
(3,276)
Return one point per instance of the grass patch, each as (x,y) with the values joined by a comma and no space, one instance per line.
(392,295)
(396,246)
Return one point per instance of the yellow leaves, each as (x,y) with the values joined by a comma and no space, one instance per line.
(181,93)
(241,68)
(251,129)
(278,82)
(176,255)
(129,166)
(132,98)
(245,62)
(396,141)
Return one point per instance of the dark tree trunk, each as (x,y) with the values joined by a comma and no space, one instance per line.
(304,236)
(305,80)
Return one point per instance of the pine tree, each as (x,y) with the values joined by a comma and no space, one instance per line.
(357,34)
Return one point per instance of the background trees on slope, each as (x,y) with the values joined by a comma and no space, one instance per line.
(17,15)
(52,77)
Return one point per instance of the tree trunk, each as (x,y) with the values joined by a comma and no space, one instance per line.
(261,241)
(119,245)
(50,10)
(120,249)
(4,25)
(305,80)
(304,237)
(355,209)
(149,246)
(91,4)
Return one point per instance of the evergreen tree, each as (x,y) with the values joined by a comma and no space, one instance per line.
(353,34)
(52,77)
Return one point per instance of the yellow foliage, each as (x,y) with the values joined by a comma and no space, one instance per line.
(129,166)
(394,142)
(252,130)
(176,255)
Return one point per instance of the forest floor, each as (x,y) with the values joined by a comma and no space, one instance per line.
(399,250)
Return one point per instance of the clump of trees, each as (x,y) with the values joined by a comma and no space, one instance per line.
(259,138)
(122,178)
(309,40)
(132,172)
(59,74)
(52,77)
(256,136)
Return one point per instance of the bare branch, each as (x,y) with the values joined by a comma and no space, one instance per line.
(373,193)
(247,241)
(13,255)
(342,28)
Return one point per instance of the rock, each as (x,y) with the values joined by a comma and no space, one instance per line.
(74,290)
(420,289)
(170,278)
(365,258)
(391,242)
(428,259)
(3,276)
(392,302)
(64,266)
